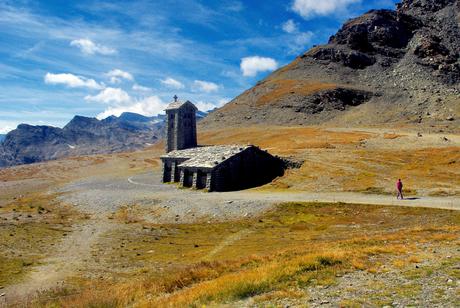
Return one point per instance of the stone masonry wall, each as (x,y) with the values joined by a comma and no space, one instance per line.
(180,129)
(252,167)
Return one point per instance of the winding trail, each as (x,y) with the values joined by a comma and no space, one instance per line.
(67,260)
(130,180)
(448,203)
(228,241)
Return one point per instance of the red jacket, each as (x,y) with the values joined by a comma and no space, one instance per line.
(399,185)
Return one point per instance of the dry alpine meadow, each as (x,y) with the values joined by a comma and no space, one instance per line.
(230,153)
(103,231)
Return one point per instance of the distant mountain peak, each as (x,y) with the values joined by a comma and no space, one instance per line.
(79,122)
(82,135)
(131,116)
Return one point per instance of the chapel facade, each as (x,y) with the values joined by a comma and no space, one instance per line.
(214,168)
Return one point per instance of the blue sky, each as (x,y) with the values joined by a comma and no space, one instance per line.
(97,58)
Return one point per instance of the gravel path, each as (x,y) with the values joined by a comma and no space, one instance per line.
(168,202)
(172,204)
(69,258)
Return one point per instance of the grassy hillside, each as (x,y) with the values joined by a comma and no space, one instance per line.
(276,258)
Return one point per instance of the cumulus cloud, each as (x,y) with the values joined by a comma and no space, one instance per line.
(72,81)
(290,26)
(110,96)
(117,75)
(204,86)
(298,40)
(172,83)
(207,106)
(311,8)
(301,40)
(251,66)
(148,106)
(204,106)
(120,101)
(90,48)
(222,102)
(139,88)
(6,127)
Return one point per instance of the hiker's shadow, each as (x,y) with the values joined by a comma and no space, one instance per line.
(412,198)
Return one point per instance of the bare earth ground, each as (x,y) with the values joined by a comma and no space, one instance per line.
(111,200)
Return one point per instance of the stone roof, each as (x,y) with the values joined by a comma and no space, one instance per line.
(206,157)
(178,104)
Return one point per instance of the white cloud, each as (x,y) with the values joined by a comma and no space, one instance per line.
(222,102)
(310,8)
(117,75)
(301,40)
(90,48)
(290,26)
(120,101)
(204,86)
(110,96)
(6,127)
(250,66)
(72,81)
(235,7)
(206,106)
(139,88)
(172,83)
(148,106)
(297,41)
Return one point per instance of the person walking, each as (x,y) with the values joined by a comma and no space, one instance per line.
(399,187)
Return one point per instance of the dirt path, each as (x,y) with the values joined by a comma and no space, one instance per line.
(67,260)
(448,203)
(184,205)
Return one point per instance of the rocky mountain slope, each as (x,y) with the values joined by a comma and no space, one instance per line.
(384,67)
(82,135)
(2,137)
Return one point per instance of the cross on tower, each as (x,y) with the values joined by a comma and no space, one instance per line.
(175,98)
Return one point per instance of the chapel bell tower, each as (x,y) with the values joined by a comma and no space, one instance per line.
(180,125)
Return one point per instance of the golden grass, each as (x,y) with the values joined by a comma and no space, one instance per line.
(295,245)
(392,136)
(24,245)
(127,214)
(29,228)
(283,140)
(247,283)
(281,294)
(414,259)
(282,88)
(376,171)
(337,161)
(14,268)
(399,263)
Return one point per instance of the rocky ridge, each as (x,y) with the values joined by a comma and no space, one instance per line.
(82,135)
(384,67)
